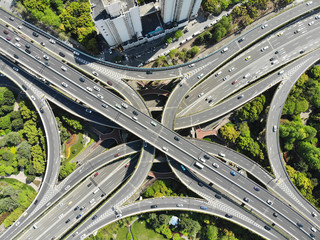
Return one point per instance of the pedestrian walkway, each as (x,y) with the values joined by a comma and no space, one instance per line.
(200,134)
(23,178)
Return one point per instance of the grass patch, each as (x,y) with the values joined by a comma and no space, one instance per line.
(122,233)
(141,232)
(76,148)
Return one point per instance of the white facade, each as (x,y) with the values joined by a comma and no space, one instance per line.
(122,27)
(179,10)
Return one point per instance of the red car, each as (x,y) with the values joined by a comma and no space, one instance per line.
(8,38)
(127,165)
(5,31)
(117,155)
(234,82)
(96,174)
(110,83)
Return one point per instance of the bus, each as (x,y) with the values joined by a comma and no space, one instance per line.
(198,165)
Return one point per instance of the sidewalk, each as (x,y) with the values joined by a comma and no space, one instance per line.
(23,178)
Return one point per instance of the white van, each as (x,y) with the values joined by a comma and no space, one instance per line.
(95,191)
(224,50)
(92,201)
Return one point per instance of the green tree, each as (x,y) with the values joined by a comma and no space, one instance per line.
(178,34)
(66,169)
(24,150)
(211,232)
(164,219)
(169,40)
(8,97)
(229,132)
(8,156)
(17,124)
(37,159)
(315,72)
(14,138)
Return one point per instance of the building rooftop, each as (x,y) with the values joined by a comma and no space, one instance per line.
(125,4)
(149,8)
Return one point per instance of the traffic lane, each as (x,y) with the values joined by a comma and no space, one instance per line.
(126,90)
(171,204)
(256,52)
(212,113)
(235,157)
(274,148)
(79,197)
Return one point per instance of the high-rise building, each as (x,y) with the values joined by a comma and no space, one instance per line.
(179,10)
(121,23)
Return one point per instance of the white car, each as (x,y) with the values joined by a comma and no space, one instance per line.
(191,65)
(310,23)
(45,57)
(124,105)
(89,111)
(17,39)
(63,68)
(215,165)
(100,96)
(95,73)
(264,26)
(96,88)
(200,76)
(231,69)
(19,27)
(89,89)
(264,48)
(200,95)
(18,44)
(52,41)
(33,98)
(269,202)
(64,84)
(309,3)
(16,69)
(165,149)
(76,53)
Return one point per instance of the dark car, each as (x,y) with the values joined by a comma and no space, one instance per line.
(299,225)
(110,83)
(81,79)
(149,72)
(41,110)
(240,40)
(206,157)
(135,113)
(229,215)
(5,31)
(302,51)
(79,216)
(27,46)
(246,199)
(15,56)
(154,206)
(36,201)
(83,207)
(11,18)
(35,34)
(62,54)
(28,51)
(256,188)
(68,221)
(267,228)
(89,184)
(217,196)
(176,138)
(76,208)
(275,214)
(94,217)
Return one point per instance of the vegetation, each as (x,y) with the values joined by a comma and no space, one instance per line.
(237,132)
(70,18)
(15,198)
(70,128)
(166,188)
(22,142)
(300,134)
(156,226)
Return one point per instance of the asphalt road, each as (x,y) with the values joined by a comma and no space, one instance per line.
(185,152)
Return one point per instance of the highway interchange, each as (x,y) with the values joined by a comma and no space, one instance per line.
(155,134)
